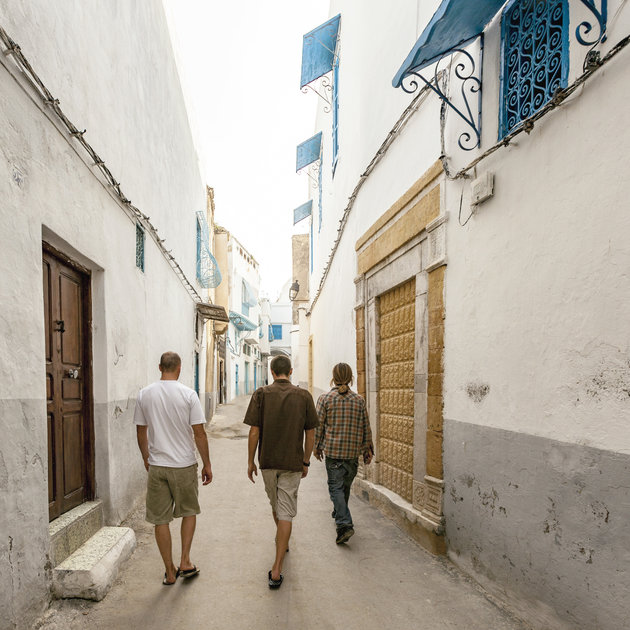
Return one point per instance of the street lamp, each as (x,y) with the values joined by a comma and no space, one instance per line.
(294,290)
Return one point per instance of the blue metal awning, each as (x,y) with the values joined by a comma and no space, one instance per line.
(303,211)
(454,23)
(308,151)
(249,295)
(241,322)
(318,50)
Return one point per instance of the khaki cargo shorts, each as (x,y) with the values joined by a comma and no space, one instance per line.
(172,493)
(282,489)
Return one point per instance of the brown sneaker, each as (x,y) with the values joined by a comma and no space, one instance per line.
(344,534)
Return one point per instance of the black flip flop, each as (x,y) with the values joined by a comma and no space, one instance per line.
(275,583)
(188,573)
(166,583)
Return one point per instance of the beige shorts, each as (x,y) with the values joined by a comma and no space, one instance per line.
(282,489)
(172,493)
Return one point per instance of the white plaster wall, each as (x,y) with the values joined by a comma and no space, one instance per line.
(374,42)
(537,285)
(108,82)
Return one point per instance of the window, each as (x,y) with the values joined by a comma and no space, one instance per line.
(535,58)
(139,247)
(277,331)
(335,114)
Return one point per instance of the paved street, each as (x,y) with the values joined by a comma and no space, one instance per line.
(380,579)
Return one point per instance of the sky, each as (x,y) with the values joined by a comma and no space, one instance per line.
(239,65)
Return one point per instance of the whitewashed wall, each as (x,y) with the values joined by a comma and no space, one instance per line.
(111,67)
(537,354)
(537,347)
(374,40)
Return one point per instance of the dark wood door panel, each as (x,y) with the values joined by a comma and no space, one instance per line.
(47,315)
(70,445)
(70,308)
(52,494)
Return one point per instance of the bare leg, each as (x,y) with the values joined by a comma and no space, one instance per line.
(282,543)
(275,519)
(188,530)
(163,539)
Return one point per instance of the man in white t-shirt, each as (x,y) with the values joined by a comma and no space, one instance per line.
(169,423)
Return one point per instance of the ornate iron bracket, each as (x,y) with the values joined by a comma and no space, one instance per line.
(312,170)
(585,27)
(324,92)
(470,85)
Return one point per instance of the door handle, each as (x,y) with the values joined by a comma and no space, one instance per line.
(73,373)
(61,326)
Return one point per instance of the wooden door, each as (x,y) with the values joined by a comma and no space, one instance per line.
(70,452)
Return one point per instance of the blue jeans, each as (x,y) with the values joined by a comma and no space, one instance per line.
(341,474)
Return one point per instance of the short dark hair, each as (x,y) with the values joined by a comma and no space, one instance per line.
(170,361)
(281,365)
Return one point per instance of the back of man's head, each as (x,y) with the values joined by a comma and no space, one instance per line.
(281,365)
(170,361)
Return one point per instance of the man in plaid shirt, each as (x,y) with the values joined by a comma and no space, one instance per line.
(343,434)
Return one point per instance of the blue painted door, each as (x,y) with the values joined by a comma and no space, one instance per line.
(236,389)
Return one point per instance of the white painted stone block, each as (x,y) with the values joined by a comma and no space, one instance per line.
(91,570)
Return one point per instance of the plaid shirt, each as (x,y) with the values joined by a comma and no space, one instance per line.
(344,429)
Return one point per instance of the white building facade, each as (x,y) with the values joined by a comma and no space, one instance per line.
(243,353)
(469,247)
(119,277)
(281,323)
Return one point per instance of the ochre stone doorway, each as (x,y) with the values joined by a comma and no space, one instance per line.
(397,317)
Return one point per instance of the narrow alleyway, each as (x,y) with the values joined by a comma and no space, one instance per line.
(380,579)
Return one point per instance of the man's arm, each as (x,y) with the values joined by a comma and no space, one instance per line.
(309,441)
(320,432)
(367,446)
(201,440)
(252,444)
(142,434)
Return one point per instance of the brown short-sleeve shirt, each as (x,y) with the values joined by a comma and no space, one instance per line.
(287,411)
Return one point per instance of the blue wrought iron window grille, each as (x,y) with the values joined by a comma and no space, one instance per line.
(535,58)
(140,239)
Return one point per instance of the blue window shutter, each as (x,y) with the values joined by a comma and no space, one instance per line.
(277,331)
(319,198)
(335,113)
(318,50)
(140,237)
(311,244)
(535,58)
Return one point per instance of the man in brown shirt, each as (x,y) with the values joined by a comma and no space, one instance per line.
(282,420)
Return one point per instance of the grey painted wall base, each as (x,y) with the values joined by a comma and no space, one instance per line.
(408,519)
(541,524)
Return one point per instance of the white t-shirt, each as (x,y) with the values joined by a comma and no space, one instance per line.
(169,409)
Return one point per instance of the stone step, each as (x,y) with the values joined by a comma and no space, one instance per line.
(91,570)
(72,529)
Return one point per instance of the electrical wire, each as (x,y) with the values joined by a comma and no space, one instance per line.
(14,51)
